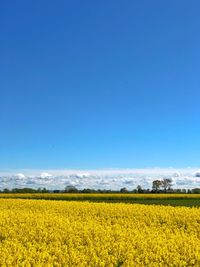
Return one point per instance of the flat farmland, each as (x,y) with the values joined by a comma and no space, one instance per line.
(189,200)
(77,233)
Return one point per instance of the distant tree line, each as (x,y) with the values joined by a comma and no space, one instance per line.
(158,186)
(25,190)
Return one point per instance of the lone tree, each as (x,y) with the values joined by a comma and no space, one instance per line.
(71,189)
(167,184)
(123,190)
(139,189)
(156,185)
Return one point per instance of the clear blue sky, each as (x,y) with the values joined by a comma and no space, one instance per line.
(99,84)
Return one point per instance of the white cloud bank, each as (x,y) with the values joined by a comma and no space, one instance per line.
(113,179)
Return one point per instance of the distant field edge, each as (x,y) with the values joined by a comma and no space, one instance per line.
(190,200)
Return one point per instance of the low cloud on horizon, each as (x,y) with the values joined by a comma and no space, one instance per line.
(113,179)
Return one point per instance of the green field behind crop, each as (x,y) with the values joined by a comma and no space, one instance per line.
(189,200)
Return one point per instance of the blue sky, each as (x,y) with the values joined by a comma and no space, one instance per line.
(99,84)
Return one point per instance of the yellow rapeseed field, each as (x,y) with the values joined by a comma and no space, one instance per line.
(97,196)
(58,233)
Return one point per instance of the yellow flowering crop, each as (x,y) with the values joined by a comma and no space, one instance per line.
(83,196)
(58,233)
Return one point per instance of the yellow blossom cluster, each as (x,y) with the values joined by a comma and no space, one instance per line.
(59,233)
